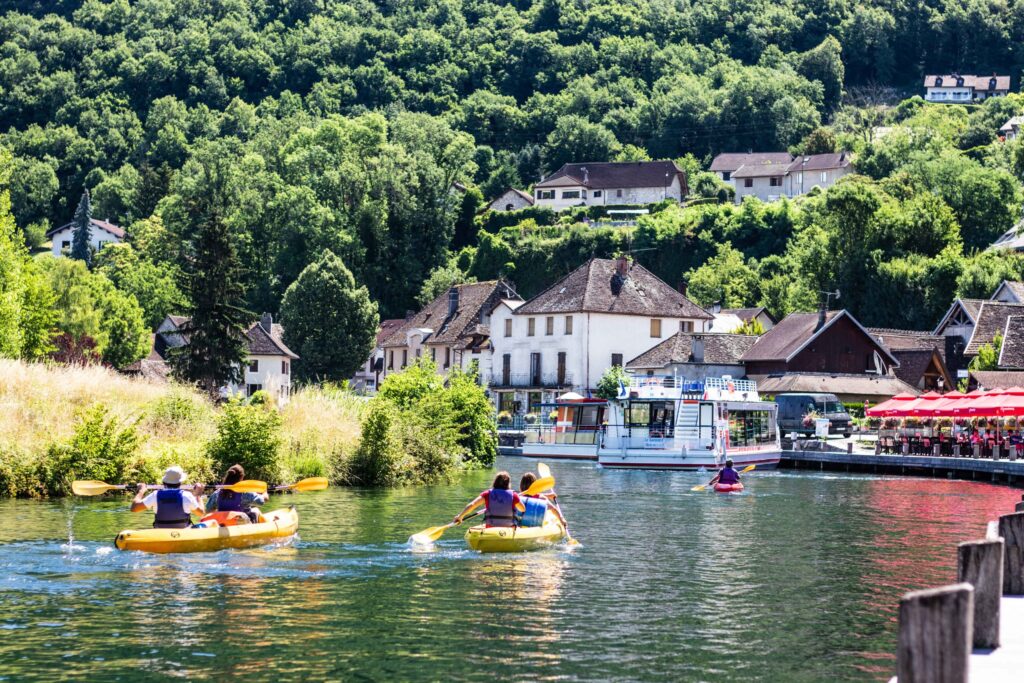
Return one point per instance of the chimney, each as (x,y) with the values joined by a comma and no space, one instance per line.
(586,175)
(682,287)
(453,301)
(716,308)
(822,314)
(697,348)
(409,315)
(267,322)
(622,266)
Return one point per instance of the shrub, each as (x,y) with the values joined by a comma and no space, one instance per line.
(470,416)
(100,449)
(611,382)
(378,459)
(249,435)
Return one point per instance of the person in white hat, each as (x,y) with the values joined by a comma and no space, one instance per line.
(173,507)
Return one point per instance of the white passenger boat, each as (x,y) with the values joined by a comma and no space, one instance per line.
(666,422)
(573,431)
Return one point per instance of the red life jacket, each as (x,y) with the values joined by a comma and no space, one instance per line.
(500,508)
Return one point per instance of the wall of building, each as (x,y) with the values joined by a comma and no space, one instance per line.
(609,196)
(842,348)
(949,94)
(509,201)
(271,374)
(800,182)
(760,188)
(696,372)
(97,239)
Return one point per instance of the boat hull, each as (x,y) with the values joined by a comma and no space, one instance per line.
(648,460)
(516,539)
(559,451)
(279,524)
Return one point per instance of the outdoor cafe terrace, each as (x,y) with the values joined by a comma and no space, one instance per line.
(977,424)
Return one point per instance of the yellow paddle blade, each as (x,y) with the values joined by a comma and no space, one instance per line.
(92,488)
(543,470)
(699,487)
(428,536)
(747,468)
(248,486)
(573,541)
(310,484)
(539,486)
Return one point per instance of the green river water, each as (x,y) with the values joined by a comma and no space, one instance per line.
(796,579)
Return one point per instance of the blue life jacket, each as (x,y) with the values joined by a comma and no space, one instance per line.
(536,508)
(229,501)
(728,476)
(170,510)
(500,508)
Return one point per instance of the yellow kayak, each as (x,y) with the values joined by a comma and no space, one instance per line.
(515,539)
(277,524)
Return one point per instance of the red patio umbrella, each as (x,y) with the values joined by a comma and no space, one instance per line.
(884,408)
(944,406)
(921,406)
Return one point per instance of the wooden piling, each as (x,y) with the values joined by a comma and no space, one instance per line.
(1011,528)
(1019,507)
(980,563)
(935,635)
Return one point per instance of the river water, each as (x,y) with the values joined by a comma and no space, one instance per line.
(796,579)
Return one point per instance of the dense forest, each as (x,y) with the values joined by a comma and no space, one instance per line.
(346,125)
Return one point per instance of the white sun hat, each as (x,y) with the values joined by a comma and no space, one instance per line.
(174,476)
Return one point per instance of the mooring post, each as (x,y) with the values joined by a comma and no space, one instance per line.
(935,635)
(1019,507)
(1011,528)
(849,448)
(980,563)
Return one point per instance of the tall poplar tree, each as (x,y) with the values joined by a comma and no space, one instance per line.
(211,273)
(82,230)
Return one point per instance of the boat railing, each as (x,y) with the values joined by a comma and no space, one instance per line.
(665,381)
(562,434)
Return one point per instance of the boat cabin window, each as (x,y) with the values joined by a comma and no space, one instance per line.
(657,414)
(751,428)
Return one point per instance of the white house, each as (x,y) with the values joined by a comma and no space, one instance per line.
(367,377)
(604,313)
(1011,129)
(964,89)
(611,183)
(725,164)
(772,180)
(101,234)
(267,367)
(511,200)
(453,330)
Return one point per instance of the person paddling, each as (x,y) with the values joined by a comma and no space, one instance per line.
(173,507)
(226,500)
(536,506)
(727,475)
(500,500)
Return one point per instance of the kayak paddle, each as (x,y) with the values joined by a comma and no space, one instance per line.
(714,481)
(544,471)
(308,484)
(98,488)
(428,536)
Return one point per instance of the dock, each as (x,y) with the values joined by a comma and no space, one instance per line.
(945,467)
(1005,663)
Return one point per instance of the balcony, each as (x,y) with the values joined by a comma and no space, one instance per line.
(544,380)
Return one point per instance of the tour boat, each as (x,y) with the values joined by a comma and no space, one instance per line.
(572,433)
(667,422)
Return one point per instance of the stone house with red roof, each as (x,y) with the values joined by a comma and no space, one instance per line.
(101,234)
(604,313)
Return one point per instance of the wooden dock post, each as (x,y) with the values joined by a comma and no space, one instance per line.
(935,635)
(1011,528)
(1019,507)
(980,563)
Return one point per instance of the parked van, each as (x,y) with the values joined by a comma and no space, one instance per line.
(793,408)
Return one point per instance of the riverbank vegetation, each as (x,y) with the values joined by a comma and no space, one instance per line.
(61,423)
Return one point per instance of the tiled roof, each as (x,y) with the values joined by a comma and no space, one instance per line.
(178,320)
(1011,123)
(820,162)
(793,332)
(102,225)
(473,299)
(719,349)
(1011,239)
(998,379)
(730,161)
(747,314)
(591,288)
(913,364)
(1011,356)
(762,170)
(900,340)
(990,321)
(610,175)
(969,81)
(387,328)
(857,385)
(263,343)
(1015,288)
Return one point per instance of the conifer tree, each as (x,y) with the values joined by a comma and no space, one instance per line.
(211,276)
(82,230)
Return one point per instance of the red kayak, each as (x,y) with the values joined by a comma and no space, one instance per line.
(727,488)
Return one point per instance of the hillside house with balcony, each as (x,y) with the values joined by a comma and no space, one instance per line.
(604,313)
(101,233)
(611,183)
(770,180)
(964,89)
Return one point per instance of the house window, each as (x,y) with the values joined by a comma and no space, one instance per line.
(824,176)
(570,194)
(686,326)
(545,194)
(254,365)
(284,367)
(508,327)
(251,389)
(447,356)
(549,325)
(597,193)
(656,328)
(535,369)
(433,354)
(561,368)
(617,360)
(748,182)
(726,175)
(568,324)
(775,182)
(419,352)
(405,357)
(618,193)
(531,327)
(506,369)
(391,360)
(509,207)
(65,244)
